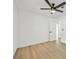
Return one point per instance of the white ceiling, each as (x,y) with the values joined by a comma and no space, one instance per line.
(35,5)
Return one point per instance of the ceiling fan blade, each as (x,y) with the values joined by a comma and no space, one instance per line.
(58,10)
(48,3)
(45,8)
(63,3)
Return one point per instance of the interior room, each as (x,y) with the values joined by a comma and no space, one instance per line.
(39,29)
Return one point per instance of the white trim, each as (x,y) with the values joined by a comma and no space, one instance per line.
(35,43)
(57,27)
(52,40)
(63,41)
(30,44)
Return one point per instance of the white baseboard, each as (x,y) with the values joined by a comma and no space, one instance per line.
(62,41)
(52,40)
(32,43)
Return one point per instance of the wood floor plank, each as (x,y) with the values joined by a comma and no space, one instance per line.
(24,53)
(55,51)
(38,52)
(51,52)
(43,52)
(33,53)
(48,50)
(18,54)
(49,55)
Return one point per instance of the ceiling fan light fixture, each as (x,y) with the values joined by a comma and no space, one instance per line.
(52,11)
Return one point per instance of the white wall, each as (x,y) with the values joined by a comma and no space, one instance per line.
(15,42)
(52,29)
(32,28)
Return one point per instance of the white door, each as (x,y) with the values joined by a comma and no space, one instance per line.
(60,32)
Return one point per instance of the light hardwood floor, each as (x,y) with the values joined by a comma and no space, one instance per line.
(48,50)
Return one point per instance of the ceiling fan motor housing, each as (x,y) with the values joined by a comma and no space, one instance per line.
(53,4)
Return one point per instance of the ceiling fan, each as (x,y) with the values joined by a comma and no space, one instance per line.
(53,8)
